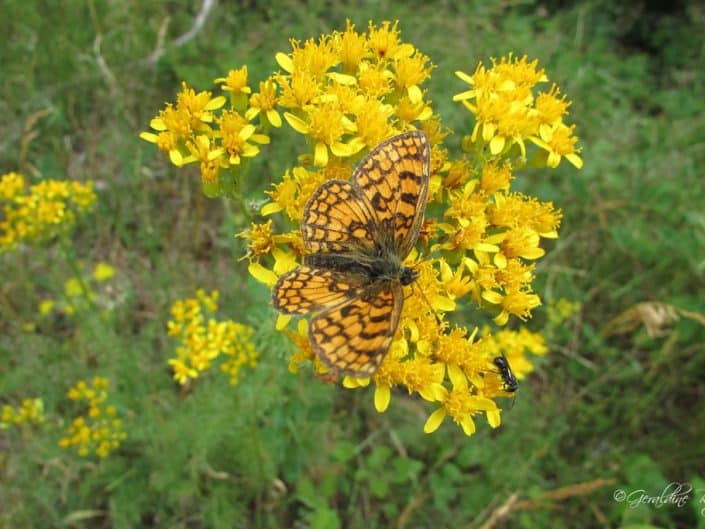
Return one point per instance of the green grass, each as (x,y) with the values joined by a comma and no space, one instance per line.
(279,450)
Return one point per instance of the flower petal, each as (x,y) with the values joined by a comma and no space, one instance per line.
(434,420)
(382,397)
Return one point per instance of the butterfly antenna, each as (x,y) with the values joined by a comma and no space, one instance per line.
(433,311)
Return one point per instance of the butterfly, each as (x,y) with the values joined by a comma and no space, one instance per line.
(357,235)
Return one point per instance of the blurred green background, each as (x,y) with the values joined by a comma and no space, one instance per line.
(611,407)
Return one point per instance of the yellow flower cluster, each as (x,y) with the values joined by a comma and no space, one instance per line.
(561,310)
(507,112)
(203,340)
(347,92)
(100,431)
(199,128)
(41,212)
(350,90)
(30,411)
(80,293)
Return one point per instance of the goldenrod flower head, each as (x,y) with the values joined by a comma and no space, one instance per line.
(352,48)
(410,72)
(235,82)
(293,192)
(298,89)
(236,133)
(11,186)
(264,103)
(384,41)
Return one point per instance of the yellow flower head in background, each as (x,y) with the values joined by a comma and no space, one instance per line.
(100,430)
(41,211)
(203,340)
(30,411)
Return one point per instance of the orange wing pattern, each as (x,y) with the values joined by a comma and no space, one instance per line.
(307,289)
(336,220)
(394,180)
(354,338)
(357,233)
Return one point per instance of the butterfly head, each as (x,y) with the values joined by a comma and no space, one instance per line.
(408,275)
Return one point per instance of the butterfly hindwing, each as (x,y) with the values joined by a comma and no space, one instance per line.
(306,289)
(353,338)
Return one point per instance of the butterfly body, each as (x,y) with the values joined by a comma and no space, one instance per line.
(358,234)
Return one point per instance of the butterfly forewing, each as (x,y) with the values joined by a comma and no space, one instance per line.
(336,220)
(394,179)
(353,338)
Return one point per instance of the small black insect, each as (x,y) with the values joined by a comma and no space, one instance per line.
(511,384)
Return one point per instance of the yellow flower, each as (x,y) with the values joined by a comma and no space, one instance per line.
(298,89)
(408,111)
(46,210)
(508,113)
(46,306)
(351,48)
(495,177)
(208,154)
(561,144)
(235,82)
(11,186)
(384,41)
(293,192)
(235,133)
(459,403)
(459,172)
(409,72)
(202,342)
(98,431)
(372,122)
(346,92)
(551,110)
(192,113)
(30,411)
(264,102)
(103,272)
(326,124)
(261,240)
(314,58)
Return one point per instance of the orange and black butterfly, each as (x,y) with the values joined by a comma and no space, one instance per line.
(358,234)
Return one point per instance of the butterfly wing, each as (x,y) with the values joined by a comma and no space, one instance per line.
(337,220)
(307,289)
(393,179)
(353,338)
